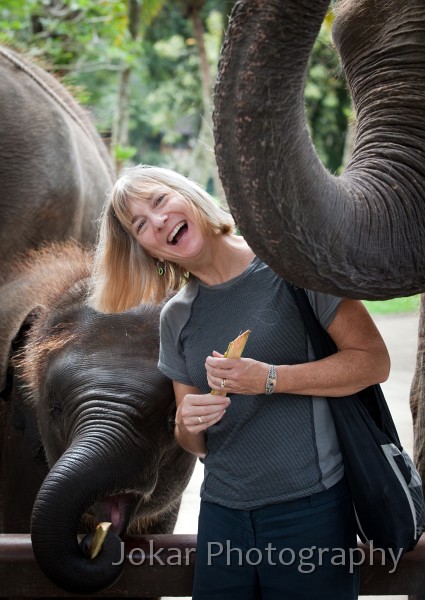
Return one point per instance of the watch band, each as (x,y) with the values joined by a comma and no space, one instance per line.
(271,380)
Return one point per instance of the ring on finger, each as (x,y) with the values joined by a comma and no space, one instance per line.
(223,383)
(201,420)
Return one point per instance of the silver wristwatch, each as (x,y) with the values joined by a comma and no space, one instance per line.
(271,380)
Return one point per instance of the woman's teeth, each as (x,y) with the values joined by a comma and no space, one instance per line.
(176,229)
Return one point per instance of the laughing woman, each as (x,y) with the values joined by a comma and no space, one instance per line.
(274,488)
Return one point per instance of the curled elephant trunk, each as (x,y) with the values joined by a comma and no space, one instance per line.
(79,478)
(360,234)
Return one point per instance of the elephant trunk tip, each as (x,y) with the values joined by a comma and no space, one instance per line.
(77,573)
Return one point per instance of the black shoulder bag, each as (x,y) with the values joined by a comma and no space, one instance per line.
(385,486)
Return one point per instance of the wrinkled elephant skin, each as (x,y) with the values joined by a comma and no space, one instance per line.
(54,167)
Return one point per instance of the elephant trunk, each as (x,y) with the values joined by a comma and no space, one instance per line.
(361,234)
(83,475)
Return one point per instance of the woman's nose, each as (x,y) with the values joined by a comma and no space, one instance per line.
(159,221)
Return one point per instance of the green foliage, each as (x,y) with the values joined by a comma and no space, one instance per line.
(65,32)
(124,153)
(87,42)
(172,97)
(397,305)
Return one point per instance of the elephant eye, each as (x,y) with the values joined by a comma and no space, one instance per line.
(55,408)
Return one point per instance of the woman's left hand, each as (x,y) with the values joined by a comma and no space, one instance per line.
(236,375)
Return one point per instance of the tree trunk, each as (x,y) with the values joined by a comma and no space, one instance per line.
(204,167)
(198,32)
(122,109)
(120,125)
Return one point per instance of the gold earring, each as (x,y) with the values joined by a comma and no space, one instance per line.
(161,268)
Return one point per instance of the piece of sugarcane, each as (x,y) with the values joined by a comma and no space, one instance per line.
(99,538)
(234,350)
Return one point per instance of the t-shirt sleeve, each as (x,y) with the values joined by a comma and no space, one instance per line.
(324,306)
(171,358)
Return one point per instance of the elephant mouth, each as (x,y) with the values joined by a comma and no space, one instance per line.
(117,509)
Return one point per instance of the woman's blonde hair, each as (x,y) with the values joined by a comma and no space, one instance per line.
(124,275)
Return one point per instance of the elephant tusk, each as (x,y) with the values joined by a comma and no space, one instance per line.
(99,538)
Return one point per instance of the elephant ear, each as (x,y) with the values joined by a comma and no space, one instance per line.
(16,318)
(31,285)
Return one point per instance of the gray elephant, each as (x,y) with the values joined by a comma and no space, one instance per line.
(359,235)
(54,167)
(86,410)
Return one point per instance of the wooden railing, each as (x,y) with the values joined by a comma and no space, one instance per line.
(162,565)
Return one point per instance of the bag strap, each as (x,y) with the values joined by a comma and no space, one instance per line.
(323,344)
(371,397)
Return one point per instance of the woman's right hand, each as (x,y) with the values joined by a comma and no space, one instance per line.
(197,412)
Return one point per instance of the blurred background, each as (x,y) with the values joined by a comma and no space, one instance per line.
(145,69)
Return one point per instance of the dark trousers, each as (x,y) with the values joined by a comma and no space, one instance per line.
(289,551)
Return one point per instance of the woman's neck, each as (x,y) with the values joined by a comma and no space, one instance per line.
(225,257)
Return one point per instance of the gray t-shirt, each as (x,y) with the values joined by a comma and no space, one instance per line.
(265,449)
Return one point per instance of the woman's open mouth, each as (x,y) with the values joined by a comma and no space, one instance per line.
(178,233)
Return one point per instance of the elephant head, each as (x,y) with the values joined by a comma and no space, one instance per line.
(359,234)
(105,416)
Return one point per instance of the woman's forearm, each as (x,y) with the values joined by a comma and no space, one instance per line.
(195,413)
(192,442)
(341,374)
